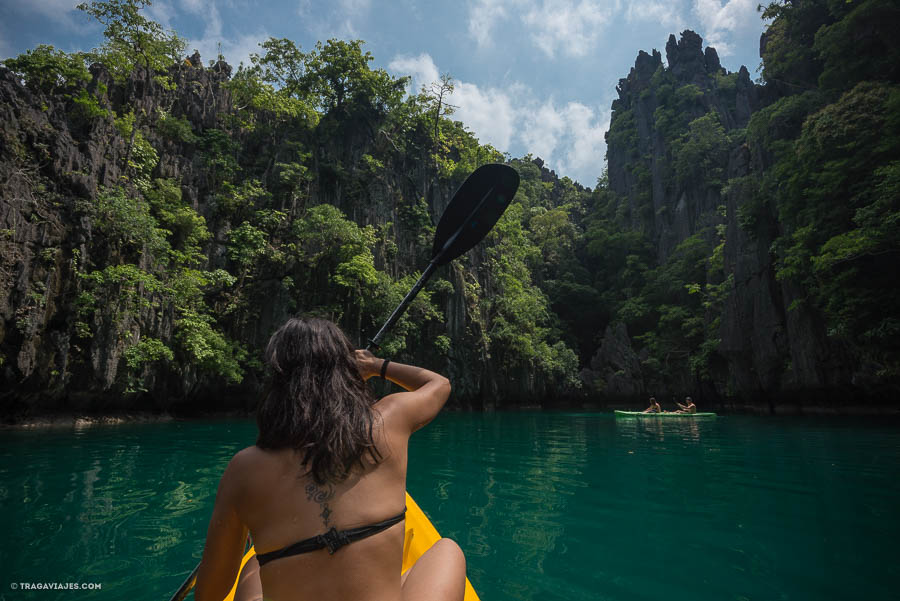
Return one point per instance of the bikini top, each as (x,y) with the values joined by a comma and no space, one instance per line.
(333,540)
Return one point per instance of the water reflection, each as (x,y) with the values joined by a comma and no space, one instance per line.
(657,428)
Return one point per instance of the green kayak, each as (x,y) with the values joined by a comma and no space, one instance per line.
(642,414)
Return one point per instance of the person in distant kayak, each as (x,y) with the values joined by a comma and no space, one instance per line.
(688,407)
(323,490)
(654,407)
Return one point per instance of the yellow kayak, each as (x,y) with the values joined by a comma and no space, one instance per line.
(420,535)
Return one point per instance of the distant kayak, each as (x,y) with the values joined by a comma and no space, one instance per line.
(420,535)
(642,414)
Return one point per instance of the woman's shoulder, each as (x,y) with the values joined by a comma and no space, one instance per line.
(250,461)
(392,409)
(249,455)
(253,467)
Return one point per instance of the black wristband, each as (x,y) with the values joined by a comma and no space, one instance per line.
(384,368)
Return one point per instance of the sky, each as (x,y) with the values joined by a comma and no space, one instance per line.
(531,76)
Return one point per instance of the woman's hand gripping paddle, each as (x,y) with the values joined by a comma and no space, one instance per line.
(474,209)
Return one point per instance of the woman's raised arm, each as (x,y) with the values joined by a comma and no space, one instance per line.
(427,391)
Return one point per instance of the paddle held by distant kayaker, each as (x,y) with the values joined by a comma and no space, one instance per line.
(688,407)
(322,492)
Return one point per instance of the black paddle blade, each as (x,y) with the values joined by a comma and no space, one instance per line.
(474,209)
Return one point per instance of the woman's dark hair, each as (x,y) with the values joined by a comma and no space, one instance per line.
(317,402)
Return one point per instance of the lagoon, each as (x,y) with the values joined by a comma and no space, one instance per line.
(545,505)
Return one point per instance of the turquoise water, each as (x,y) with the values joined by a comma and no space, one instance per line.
(545,505)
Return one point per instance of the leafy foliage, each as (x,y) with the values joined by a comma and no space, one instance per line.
(132,40)
(701,152)
(46,69)
(841,208)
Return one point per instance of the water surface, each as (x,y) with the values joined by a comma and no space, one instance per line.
(545,505)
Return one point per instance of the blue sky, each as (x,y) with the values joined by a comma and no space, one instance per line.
(532,76)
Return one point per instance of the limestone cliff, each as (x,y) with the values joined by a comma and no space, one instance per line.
(764,345)
(67,347)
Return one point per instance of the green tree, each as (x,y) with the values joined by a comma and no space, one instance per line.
(338,73)
(133,40)
(46,69)
(701,153)
(283,66)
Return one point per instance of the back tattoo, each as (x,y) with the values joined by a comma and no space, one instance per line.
(321,495)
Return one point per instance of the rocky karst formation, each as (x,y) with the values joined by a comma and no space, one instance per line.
(772,350)
(56,356)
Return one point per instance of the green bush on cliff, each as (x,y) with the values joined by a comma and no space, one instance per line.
(208,348)
(127,223)
(185,229)
(176,128)
(147,350)
(701,153)
(522,330)
(51,71)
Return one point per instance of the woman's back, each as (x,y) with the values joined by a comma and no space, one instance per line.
(327,460)
(282,506)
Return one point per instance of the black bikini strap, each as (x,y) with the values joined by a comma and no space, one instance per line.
(333,540)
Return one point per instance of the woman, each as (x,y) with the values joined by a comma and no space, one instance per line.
(654,407)
(328,460)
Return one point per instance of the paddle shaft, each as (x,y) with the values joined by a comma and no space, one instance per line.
(401,308)
(186,587)
(375,341)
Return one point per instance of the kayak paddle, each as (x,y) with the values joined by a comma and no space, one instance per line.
(186,586)
(474,209)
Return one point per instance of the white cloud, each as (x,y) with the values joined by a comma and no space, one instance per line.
(304,8)
(354,8)
(194,6)
(586,150)
(338,20)
(236,50)
(569,139)
(483,14)
(421,69)
(664,13)
(542,130)
(351,11)
(489,113)
(161,12)
(5,48)
(720,21)
(570,26)
(214,25)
